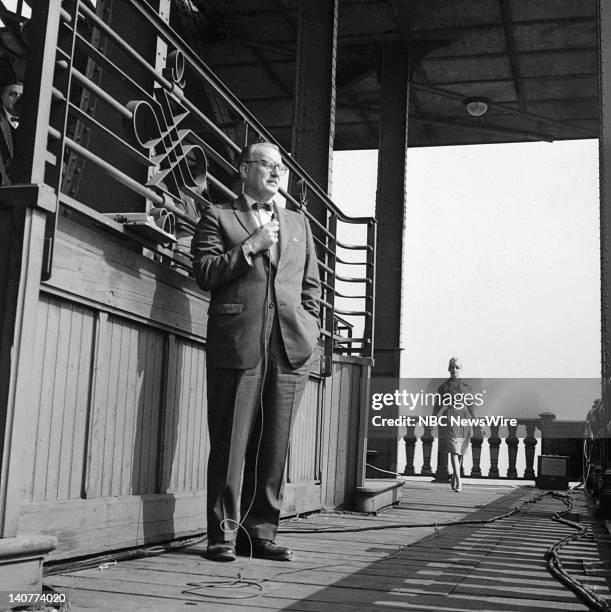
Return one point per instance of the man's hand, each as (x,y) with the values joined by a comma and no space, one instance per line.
(264,237)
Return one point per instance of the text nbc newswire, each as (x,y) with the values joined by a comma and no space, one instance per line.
(442,421)
(421,399)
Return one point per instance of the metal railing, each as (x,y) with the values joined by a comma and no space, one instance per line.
(107,120)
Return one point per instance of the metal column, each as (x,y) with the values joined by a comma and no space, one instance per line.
(314,116)
(604,22)
(390,214)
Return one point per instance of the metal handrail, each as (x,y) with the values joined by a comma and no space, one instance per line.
(67,76)
(204,71)
(174,40)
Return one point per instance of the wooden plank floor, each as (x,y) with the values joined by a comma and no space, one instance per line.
(496,566)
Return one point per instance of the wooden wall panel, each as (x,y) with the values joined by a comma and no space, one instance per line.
(343,431)
(88,526)
(61,375)
(303,465)
(119,434)
(341,416)
(126,410)
(330,433)
(105,273)
(357,404)
(185,434)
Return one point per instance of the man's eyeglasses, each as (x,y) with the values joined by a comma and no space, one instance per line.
(269,166)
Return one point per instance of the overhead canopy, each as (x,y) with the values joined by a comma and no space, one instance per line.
(536,62)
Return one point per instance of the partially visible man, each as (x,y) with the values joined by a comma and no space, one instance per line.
(259,263)
(9,122)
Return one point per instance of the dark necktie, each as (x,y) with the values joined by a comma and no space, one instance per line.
(264,205)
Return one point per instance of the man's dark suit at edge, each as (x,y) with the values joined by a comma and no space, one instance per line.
(9,121)
(261,269)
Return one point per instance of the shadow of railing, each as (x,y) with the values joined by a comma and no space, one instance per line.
(488,566)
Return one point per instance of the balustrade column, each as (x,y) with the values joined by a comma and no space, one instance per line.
(476,450)
(530,442)
(512,450)
(410,448)
(494,442)
(427,449)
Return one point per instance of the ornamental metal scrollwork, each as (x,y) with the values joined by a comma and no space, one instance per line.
(180,165)
(175,68)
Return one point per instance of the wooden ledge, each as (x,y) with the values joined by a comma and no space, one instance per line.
(26,545)
(378,493)
(21,562)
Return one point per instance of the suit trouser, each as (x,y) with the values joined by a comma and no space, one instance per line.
(250,413)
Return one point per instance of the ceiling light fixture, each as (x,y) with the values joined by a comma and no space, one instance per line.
(476,107)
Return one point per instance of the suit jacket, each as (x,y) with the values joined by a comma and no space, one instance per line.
(7,134)
(239,305)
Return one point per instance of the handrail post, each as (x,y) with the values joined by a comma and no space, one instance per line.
(546,426)
(58,119)
(331,262)
(370,275)
(31,155)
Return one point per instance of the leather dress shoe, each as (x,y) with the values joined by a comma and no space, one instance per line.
(265,549)
(221,551)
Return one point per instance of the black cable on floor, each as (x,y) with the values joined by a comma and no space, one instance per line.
(100,561)
(554,565)
(499,517)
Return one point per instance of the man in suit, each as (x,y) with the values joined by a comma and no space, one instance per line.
(9,121)
(259,263)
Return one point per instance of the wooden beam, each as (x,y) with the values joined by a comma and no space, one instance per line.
(536,77)
(502,107)
(315,91)
(511,51)
(534,52)
(355,79)
(482,127)
(419,70)
(396,71)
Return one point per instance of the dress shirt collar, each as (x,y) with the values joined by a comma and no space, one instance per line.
(251,201)
(12,119)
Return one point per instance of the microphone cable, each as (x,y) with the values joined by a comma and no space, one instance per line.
(239,582)
(264,340)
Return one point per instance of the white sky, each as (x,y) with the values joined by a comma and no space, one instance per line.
(501,259)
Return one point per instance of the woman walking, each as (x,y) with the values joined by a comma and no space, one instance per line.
(457,436)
